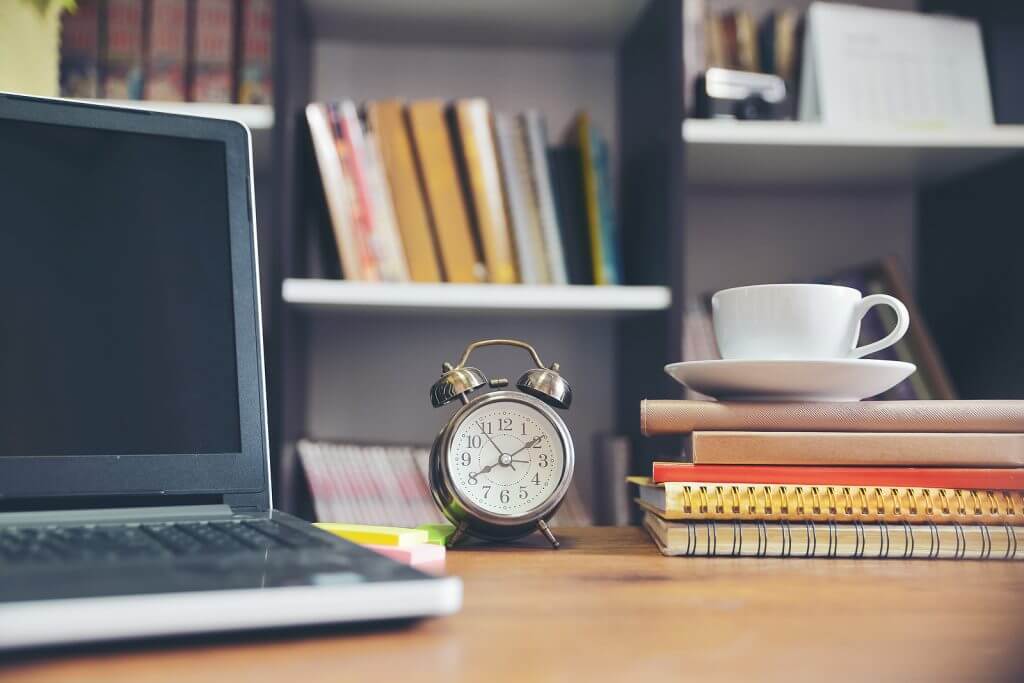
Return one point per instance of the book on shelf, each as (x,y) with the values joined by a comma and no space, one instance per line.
(522,204)
(858,448)
(534,130)
(371,200)
(387,485)
(764,502)
(445,199)
(877,540)
(80,50)
(122,58)
(168,51)
(336,190)
(255,73)
(479,165)
(213,52)
(570,203)
(599,202)
(386,118)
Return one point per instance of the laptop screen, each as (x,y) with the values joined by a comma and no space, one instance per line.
(117,328)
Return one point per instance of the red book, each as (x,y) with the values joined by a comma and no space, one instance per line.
(1004,479)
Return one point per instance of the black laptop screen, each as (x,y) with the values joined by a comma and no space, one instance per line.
(116,319)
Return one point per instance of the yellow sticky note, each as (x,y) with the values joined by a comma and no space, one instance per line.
(437,533)
(376,535)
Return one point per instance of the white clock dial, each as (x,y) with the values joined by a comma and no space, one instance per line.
(506,457)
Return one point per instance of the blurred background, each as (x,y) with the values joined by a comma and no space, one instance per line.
(580,175)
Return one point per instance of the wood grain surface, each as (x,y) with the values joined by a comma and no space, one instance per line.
(609,607)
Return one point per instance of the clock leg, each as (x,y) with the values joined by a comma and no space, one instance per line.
(456,536)
(544,529)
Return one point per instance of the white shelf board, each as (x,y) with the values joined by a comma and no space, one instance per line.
(256,116)
(559,23)
(564,300)
(780,153)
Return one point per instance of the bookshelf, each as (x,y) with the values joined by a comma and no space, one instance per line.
(793,153)
(560,301)
(702,205)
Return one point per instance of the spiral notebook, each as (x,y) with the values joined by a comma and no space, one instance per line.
(878,540)
(845,504)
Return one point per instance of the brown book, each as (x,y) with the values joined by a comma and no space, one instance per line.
(436,162)
(858,448)
(480,161)
(387,120)
(682,417)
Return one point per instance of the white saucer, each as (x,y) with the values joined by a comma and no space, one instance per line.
(791,380)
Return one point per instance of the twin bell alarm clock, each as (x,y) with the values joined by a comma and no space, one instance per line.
(502,464)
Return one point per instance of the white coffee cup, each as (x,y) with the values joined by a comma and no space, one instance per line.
(798,322)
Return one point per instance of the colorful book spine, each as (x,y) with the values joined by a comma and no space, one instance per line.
(530,270)
(79,51)
(213,51)
(593,162)
(535,131)
(168,51)
(1005,479)
(255,79)
(358,203)
(123,63)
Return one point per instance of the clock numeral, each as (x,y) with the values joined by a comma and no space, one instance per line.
(486,427)
(472,478)
(523,493)
(505,424)
(466,459)
(487,489)
(473,440)
(504,496)
(542,459)
(523,425)
(536,479)
(537,443)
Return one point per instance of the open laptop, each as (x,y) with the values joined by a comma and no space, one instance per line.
(134,466)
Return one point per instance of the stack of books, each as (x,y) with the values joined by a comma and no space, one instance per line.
(872,479)
(437,191)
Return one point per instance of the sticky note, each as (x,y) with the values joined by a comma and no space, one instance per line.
(427,554)
(376,535)
(437,533)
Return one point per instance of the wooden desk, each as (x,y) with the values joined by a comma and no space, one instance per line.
(609,607)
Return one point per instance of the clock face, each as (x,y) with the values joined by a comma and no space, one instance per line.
(506,457)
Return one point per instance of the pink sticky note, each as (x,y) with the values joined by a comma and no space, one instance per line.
(424,555)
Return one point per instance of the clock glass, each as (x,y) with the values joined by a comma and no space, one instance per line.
(506,458)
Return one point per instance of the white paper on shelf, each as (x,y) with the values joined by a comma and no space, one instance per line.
(864,65)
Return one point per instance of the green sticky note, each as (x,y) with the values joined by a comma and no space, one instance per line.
(437,533)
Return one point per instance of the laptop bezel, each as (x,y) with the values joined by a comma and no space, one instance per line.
(181,474)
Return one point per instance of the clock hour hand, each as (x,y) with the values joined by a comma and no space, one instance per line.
(484,470)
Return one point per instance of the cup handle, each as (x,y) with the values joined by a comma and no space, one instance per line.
(902,323)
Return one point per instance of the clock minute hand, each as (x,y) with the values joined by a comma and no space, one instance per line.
(492,441)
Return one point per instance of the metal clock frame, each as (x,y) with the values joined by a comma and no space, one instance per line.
(468,517)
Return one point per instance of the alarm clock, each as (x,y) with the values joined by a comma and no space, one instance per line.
(502,464)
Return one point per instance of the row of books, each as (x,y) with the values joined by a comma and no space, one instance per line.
(737,39)
(172,50)
(931,381)
(387,485)
(873,479)
(432,191)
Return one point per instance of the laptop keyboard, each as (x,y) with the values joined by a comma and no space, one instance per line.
(30,545)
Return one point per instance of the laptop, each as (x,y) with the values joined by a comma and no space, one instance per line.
(135,496)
